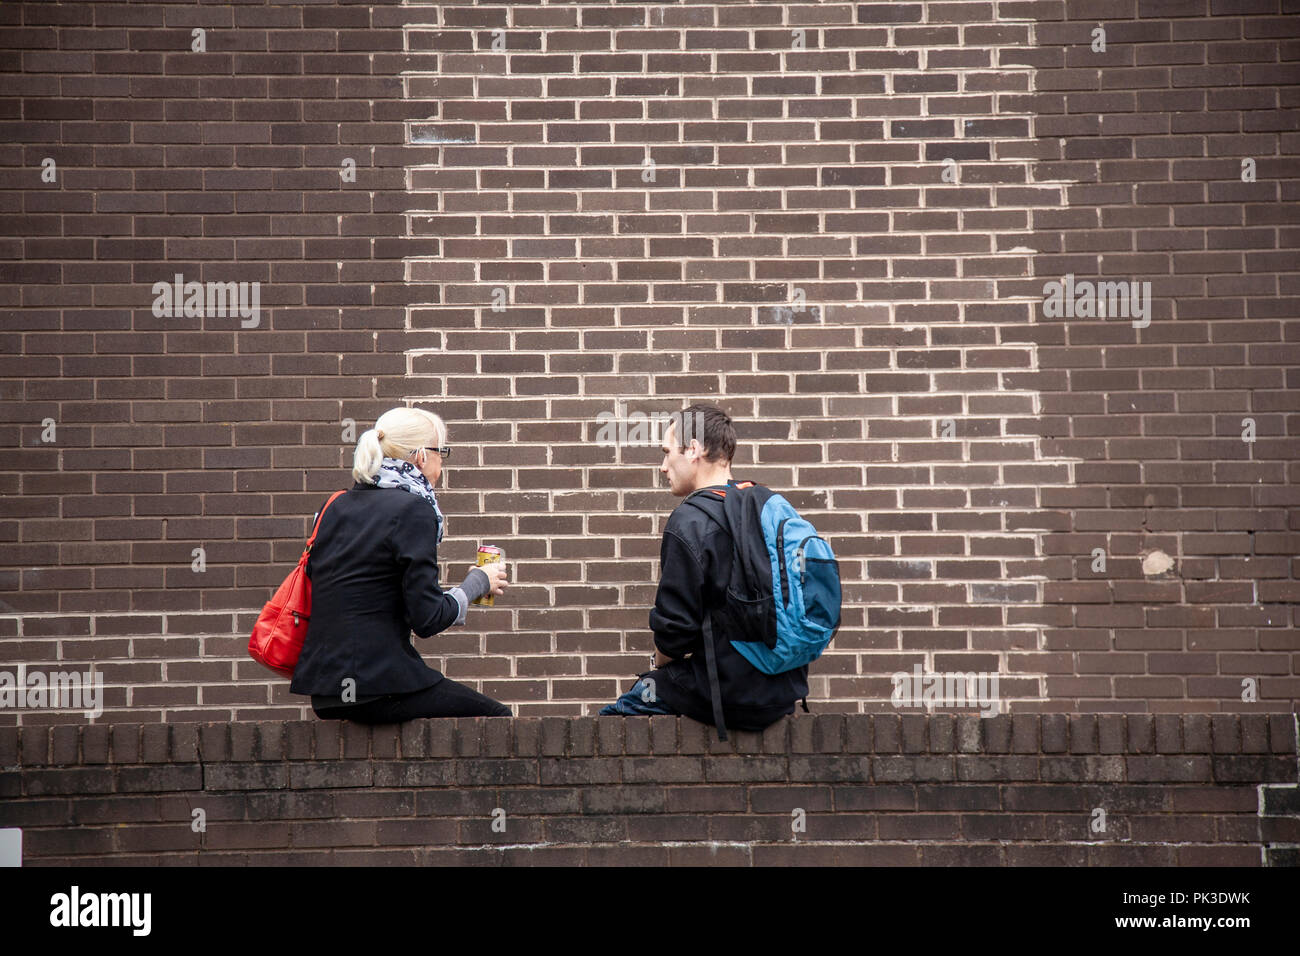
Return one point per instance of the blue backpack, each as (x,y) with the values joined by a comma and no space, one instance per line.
(782,606)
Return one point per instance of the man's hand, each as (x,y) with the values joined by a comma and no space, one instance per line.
(497,580)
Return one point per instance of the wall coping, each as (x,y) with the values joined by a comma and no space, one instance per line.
(1063,735)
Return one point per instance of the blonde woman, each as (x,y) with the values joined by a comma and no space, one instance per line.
(374,578)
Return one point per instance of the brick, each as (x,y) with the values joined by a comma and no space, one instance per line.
(968,734)
(65,744)
(776,738)
(1254,733)
(430,773)
(1169,734)
(888,731)
(997,734)
(1168,769)
(442,738)
(480,831)
(414,739)
(233,776)
(785,799)
(183,744)
(565,772)
(1280,800)
(1253,769)
(327,739)
(1141,733)
(1010,768)
(298,741)
(636,735)
(1055,730)
(961,856)
(915,731)
(942,734)
(38,782)
(609,736)
(271,743)
(708,855)
(885,854)
(1196,734)
(1225,733)
(485,771)
(355,738)
(858,738)
(449,803)
(705,799)
(664,733)
(663,769)
(838,768)
(214,743)
(906,768)
(629,799)
(154,779)
(94,745)
(125,743)
(554,736)
(1282,733)
(38,844)
(582,737)
(36,813)
(343,833)
(1081,768)
(243,741)
(1083,734)
(1025,734)
(418,832)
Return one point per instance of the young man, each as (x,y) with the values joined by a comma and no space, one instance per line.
(695,567)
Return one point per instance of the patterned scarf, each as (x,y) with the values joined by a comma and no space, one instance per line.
(396,473)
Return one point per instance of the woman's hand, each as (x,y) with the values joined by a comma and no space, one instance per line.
(497,578)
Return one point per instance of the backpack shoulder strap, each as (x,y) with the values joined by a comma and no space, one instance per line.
(730,506)
(714,493)
(715,689)
(718,494)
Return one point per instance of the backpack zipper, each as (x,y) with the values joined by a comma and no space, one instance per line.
(780,550)
(800,562)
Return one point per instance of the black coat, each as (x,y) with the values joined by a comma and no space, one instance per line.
(374,580)
(695,568)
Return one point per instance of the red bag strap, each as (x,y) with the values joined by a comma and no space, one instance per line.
(316,527)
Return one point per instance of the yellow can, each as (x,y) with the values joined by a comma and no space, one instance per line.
(487,554)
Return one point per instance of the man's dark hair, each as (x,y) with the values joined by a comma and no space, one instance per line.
(709,425)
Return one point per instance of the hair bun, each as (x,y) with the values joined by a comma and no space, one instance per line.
(379,433)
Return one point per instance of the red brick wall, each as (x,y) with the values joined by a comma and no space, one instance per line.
(966,453)
(1030,789)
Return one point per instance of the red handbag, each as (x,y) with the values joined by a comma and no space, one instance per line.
(282,625)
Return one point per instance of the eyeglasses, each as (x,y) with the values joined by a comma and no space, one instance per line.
(443,452)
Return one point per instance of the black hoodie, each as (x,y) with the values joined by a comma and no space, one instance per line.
(695,561)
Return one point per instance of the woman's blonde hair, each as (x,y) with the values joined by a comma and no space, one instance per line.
(397,433)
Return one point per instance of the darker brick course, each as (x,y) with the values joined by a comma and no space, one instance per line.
(349,793)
